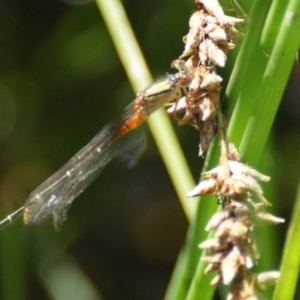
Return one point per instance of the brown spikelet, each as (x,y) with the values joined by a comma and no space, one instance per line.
(210,36)
(231,250)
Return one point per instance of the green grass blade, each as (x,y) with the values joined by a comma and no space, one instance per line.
(284,46)
(289,271)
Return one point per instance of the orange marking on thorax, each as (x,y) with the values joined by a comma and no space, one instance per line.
(134,120)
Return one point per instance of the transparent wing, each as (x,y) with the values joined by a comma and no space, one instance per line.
(56,194)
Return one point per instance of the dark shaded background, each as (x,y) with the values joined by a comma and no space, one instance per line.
(60,82)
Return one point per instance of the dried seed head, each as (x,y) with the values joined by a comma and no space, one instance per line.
(233,153)
(211,82)
(234,35)
(216,258)
(195,86)
(211,35)
(215,32)
(224,228)
(213,8)
(267,278)
(210,53)
(209,38)
(216,55)
(192,63)
(230,265)
(217,218)
(232,250)
(216,280)
(242,209)
(241,184)
(240,168)
(193,38)
(266,218)
(179,106)
(211,268)
(205,187)
(207,134)
(238,231)
(210,24)
(243,290)
(211,244)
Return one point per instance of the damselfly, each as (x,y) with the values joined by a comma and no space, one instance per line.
(55,196)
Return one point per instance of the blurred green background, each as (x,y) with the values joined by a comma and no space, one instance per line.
(60,82)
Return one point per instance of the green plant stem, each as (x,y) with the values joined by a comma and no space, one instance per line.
(224,149)
(188,260)
(139,76)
